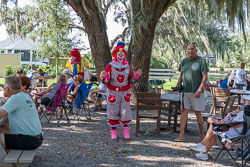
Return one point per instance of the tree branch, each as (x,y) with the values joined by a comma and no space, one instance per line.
(124,33)
(72,25)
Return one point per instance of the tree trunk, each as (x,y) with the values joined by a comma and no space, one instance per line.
(144,20)
(95,26)
(56,65)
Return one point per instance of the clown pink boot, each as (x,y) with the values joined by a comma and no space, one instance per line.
(113,134)
(126,133)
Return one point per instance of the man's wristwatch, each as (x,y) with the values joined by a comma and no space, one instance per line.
(200,91)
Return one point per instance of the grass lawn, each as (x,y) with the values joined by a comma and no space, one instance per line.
(50,81)
(166,86)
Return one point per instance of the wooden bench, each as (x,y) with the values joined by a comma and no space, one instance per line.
(20,158)
(17,158)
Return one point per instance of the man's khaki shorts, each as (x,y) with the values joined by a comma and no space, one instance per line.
(192,103)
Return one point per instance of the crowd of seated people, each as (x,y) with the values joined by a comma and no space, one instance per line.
(220,83)
(46,97)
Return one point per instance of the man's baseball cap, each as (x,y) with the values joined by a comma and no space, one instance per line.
(19,71)
(66,71)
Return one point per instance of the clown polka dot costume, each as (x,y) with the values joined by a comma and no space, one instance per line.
(118,81)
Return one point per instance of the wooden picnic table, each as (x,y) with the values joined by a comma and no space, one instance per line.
(3,153)
(173,108)
(239,93)
(40,89)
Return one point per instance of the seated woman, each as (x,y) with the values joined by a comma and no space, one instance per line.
(46,96)
(210,137)
(95,96)
(77,82)
(26,83)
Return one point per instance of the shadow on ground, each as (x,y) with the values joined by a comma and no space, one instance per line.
(88,143)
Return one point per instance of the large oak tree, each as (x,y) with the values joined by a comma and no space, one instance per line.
(144,17)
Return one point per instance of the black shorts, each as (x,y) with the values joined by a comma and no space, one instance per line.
(46,101)
(98,95)
(22,142)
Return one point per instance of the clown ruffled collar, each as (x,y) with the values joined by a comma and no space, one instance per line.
(118,64)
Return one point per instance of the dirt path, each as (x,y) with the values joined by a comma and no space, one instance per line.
(88,144)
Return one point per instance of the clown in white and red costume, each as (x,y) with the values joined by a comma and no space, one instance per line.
(118,78)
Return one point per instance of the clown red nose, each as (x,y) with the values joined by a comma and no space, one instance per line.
(120,48)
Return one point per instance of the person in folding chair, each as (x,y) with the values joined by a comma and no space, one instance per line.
(205,145)
(118,78)
(46,97)
(77,99)
(77,82)
(97,95)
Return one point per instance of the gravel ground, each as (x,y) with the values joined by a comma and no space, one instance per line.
(88,143)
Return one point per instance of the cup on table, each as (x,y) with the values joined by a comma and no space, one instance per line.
(244,88)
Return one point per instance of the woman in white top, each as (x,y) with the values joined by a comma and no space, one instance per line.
(240,78)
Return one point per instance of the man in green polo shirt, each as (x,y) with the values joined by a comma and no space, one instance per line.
(193,71)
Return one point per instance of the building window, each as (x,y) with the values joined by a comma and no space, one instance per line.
(25,54)
(9,51)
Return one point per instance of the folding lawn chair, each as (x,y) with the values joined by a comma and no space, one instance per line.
(81,103)
(100,97)
(56,102)
(242,153)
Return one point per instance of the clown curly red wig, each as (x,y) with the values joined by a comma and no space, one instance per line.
(75,53)
(119,46)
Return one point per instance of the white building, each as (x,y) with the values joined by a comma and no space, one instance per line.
(25,47)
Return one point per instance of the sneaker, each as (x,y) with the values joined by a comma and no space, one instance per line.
(198,147)
(201,156)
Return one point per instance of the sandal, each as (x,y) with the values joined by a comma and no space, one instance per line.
(179,139)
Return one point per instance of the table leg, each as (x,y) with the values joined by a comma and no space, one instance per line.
(169,112)
(239,99)
(175,117)
(2,156)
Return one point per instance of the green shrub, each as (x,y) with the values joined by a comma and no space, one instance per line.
(51,70)
(221,68)
(212,65)
(8,70)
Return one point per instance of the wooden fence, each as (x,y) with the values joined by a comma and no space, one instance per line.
(174,74)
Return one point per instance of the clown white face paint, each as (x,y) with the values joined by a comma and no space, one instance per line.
(120,56)
(73,57)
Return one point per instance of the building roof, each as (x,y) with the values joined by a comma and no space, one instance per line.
(19,44)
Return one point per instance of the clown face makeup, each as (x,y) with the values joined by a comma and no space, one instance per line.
(73,57)
(120,56)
